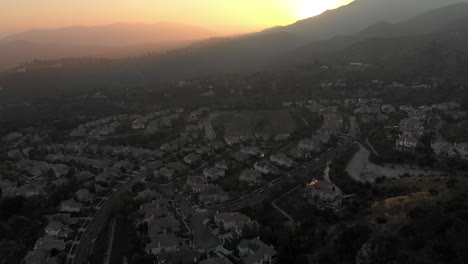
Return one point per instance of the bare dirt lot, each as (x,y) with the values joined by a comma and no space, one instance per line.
(362,170)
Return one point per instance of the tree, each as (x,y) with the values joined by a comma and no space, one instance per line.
(138,187)
(51,174)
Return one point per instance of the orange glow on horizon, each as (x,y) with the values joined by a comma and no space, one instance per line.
(223,16)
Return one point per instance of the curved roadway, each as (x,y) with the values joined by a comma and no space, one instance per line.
(85,246)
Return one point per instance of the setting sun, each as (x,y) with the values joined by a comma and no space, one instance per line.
(226,16)
(310,8)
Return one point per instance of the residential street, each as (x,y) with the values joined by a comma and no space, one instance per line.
(202,238)
(84,249)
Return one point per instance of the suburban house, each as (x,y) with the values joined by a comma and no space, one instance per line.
(462,150)
(255,251)
(240,157)
(405,142)
(406,108)
(233,221)
(155,204)
(309,145)
(165,173)
(212,194)
(322,138)
(139,123)
(232,140)
(104,177)
(167,224)
(83,176)
(252,151)
(445,149)
(8,188)
(70,206)
(192,158)
(217,145)
(411,126)
(169,147)
(213,260)
(281,137)
(194,180)
(421,113)
(251,177)
(205,150)
(213,173)
(179,167)
(222,164)
(155,213)
(84,196)
(281,159)
(163,242)
(30,190)
(446,106)
(35,257)
(265,167)
(152,127)
(147,196)
(48,243)
(53,229)
(60,170)
(295,153)
(331,126)
(388,108)
(323,194)
(265,136)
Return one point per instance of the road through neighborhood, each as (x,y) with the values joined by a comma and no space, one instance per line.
(85,246)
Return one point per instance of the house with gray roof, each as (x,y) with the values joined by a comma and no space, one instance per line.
(255,251)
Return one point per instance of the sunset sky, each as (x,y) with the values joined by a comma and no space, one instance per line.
(223,16)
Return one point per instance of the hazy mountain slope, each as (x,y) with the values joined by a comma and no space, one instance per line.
(359,14)
(442,19)
(115,35)
(221,55)
(428,22)
(442,51)
(15,53)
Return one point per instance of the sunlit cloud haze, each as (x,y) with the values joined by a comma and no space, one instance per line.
(223,16)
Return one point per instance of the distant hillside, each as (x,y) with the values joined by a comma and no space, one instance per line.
(113,41)
(19,52)
(117,35)
(433,43)
(409,34)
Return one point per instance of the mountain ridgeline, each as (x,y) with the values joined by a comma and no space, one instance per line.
(110,41)
(427,37)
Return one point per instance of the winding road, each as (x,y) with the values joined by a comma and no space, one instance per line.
(85,245)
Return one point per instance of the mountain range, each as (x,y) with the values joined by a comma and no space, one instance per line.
(411,35)
(109,41)
(115,35)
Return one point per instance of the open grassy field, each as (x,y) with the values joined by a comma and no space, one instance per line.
(247,123)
